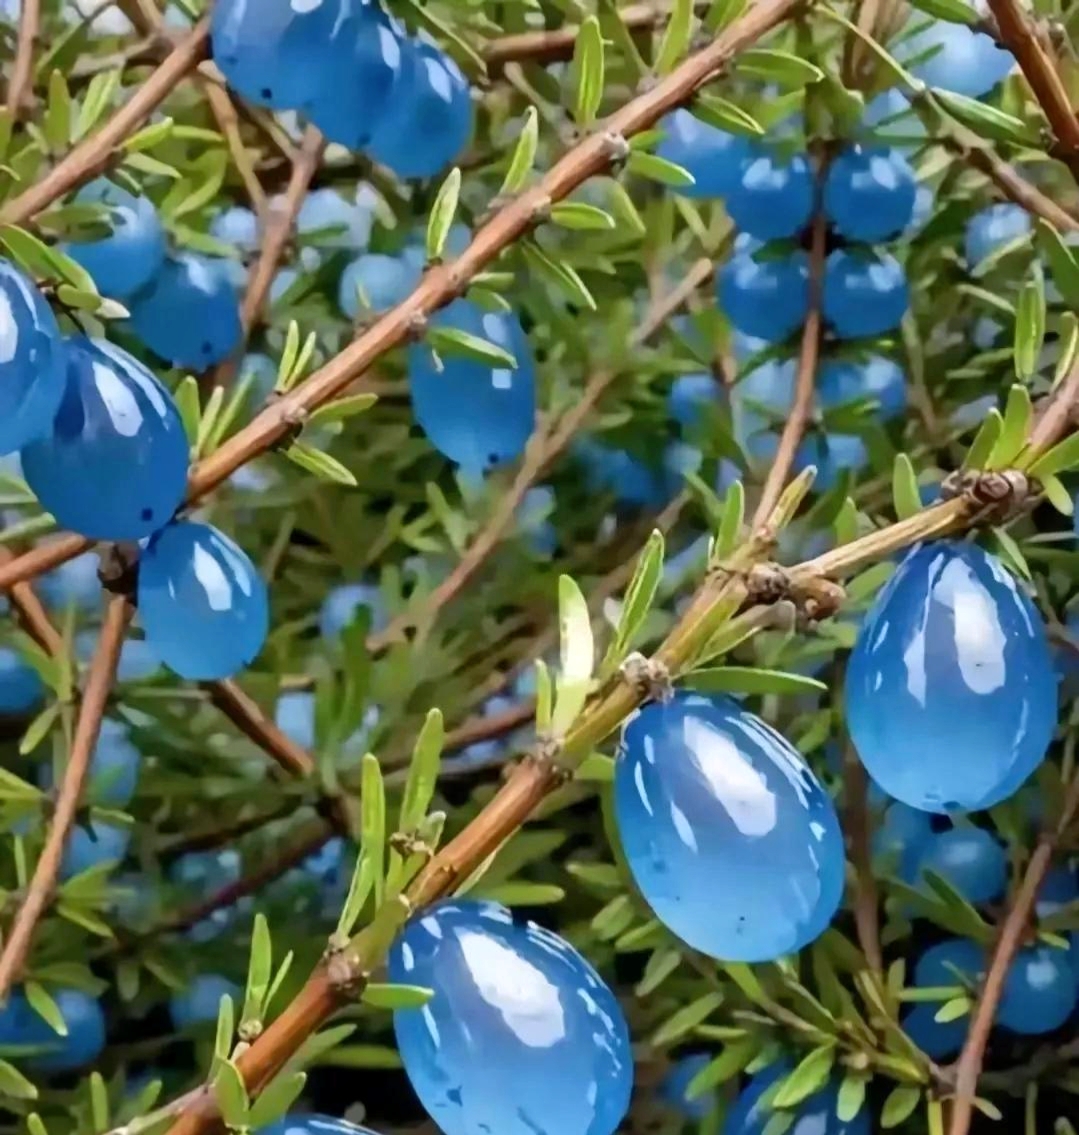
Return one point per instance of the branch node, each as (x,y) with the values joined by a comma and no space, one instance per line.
(540,210)
(344,972)
(417,325)
(616,148)
(994,496)
(648,676)
(118,569)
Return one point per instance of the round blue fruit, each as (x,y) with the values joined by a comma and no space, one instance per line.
(202,602)
(375,282)
(516,1011)
(972,860)
(341,605)
(198,1004)
(429,119)
(864,293)
(189,315)
(673,1088)
(992,229)
(956,963)
(952,658)
(768,297)
(773,197)
(21,689)
(841,381)
(341,223)
(1059,888)
(901,839)
(114,466)
(132,254)
(137,661)
(730,837)
(712,156)
(1040,991)
(31,362)
(477,414)
(303,1124)
(869,193)
(20,1025)
(963,60)
(633,482)
(752,1110)
(831,455)
(690,397)
(93,845)
(238,227)
(73,584)
(114,767)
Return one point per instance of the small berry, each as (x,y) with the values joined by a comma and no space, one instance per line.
(1040,991)
(901,840)
(773,198)
(342,604)
(303,1124)
(92,846)
(114,768)
(972,860)
(20,687)
(752,1111)
(339,223)
(711,155)
(374,282)
(768,297)
(1059,888)
(869,193)
(673,1089)
(955,963)
(831,455)
(992,229)
(962,60)
(82,1015)
(864,294)
(690,398)
(876,377)
(199,1003)
(73,584)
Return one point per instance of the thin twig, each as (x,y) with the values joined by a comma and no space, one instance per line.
(98,685)
(855,786)
(20,84)
(228,122)
(31,613)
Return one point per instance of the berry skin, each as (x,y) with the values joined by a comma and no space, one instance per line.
(294,715)
(690,397)
(429,119)
(869,193)
(201,873)
(115,464)
(750,1112)
(831,454)
(972,860)
(236,226)
(954,963)
(714,157)
(515,1010)
(634,483)
(312,1125)
(863,294)
(92,846)
(476,414)
(993,228)
(340,606)
(20,687)
(202,602)
(342,223)
(673,1088)
(532,513)
(1060,887)
(766,298)
(189,315)
(384,281)
(85,1040)
(877,377)
(73,584)
(31,362)
(137,661)
(132,254)
(114,768)
(700,782)
(1040,991)
(198,1004)
(952,658)
(773,198)
(965,61)
(901,841)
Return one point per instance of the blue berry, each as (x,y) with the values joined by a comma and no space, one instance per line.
(752,1110)
(294,715)
(73,584)
(515,1011)
(890,117)
(340,223)
(831,455)
(262,371)
(1059,888)
(137,660)
(340,606)
(532,513)
(31,362)
(189,315)
(383,280)
(201,873)
(699,784)
(312,1125)
(672,1090)
(132,254)
(81,1013)
(202,602)
(952,658)
(773,198)
(92,846)
(1040,991)
(711,155)
(690,397)
(767,298)
(876,377)
(633,482)
(992,229)
(965,61)
(955,963)
(972,860)
(198,1004)
(21,690)
(864,293)
(901,840)
(115,464)
(429,118)
(869,193)
(236,226)
(114,768)
(476,414)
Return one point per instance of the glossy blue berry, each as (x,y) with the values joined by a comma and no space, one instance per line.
(673,1089)
(476,414)
(831,455)
(31,361)
(341,605)
(752,1110)
(972,860)
(202,602)
(189,315)
(73,584)
(773,197)
(634,482)
(21,690)
(114,466)
(375,282)
(1040,991)
(840,381)
(114,767)
(137,660)
(701,784)
(303,1124)
(864,293)
(516,1010)
(132,254)
(1059,888)
(198,1004)
(20,1025)
(339,222)
(901,839)
(869,193)
(767,297)
(92,846)
(952,658)
(992,229)
(956,963)
(690,397)
(963,60)
(713,157)
(238,227)
(429,118)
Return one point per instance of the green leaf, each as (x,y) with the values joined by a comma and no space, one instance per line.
(559,273)
(1063,266)
(39,728)
(730,527)
(14,1084)
(1029,325)
(810,1075)
(1062,457)
(341,409)
(231,1095)
(1013,430)
(984,441)
(659,169)
(149,137)
(443,212)
(1067,345)
(724,1067)
(45,1007)
(780,67)
(577,655)
(373,819)
(905,488)
(186,396)
(985,120)
(454,341)
(544,696)
(96,99)
(686,1019)
(422,772)
(99,1101)
(954,11)
(676,37)
(224,1027)
(208,419)
(35,1125)
(625,211)
(524,154)
(724,115)
(851,1098)
(324,466)
(953,1010)
(722,13)
(588,69)
(659,967)
(276,1098)
(359,890)
(1010,552)
(1057,495)
(385,996)
(580,215)
(751,680)
(900,1105)
(520,892)
(56,124)
(637,602)
(259,970)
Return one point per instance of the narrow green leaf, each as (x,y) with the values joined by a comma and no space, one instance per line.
(14,1084)
(524,154)
(259,970)
(1063,265)
(384,996)
(208,418)
(659,967)
(954,11)
(588,69)
(520,892)
(276,1099)
(986,121)
(953,1010)
(35,1125)
(577,655)
(724,115)
(905,494)
(626,213)
(676,37)
(851,1097)
(810,1075)
(1057,495)
(443,212)
(45,1007)
(984,440)
(359,890)
(225,1027)
(1062,457)
(1067,345)
(231,1095)
(56,124)
(780,67)
(324,466)
(637,602)
(99,1102)
(724,1067)
(454,341)
(659,169)
(1029,325)
(544,697)
(1010,552)
(722,13)
(730,527)
(422,772)
(373,819)
(1013,430)
(686,1019)
(751,680)
(900,1105)
(559,273)
(39,728)
(580,215)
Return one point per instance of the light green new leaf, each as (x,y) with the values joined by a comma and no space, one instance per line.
(810,1075)
(443,212)
(56,124)
(954,11)
(99,1101)
(905,494)
(686,1019)
(324,466)
(984,441)
(259,969)
(1063,265)
(14,1084)
(524,154)
(544,696)
(588,68)
(385,996)
(97,98)
(1057,495)
(953,1010)
(373,819)
(722,13)
(724,115)
(1010,552)
(577,655)
(559,273)
(659,169)
(46,1008)
(985,120)
(676,37)
(751,680)
(779,67)
(231,1095)
(454,341)
(851,1097)
(724,1067)
(1013,430)
(1062,457)
(580,215)
(1029,325)
(422,772)
(900,1105)
(276,1098)
(340,409)
(637,602)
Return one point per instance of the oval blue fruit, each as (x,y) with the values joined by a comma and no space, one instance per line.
(840,381)
(31,361)
(673,1088)
(73,584)
(992,229)
(971,859)
(869,193)
(93,845)
(130,256)
(202,602)
(766,298)
(21,689)
(375,282)
(114,767)
(714,157)
(864,293)
(730,837)
(955,57)
(952,658)
(1059,888)
(516,1010)
(690,397)
(83,1017)
(901,839)
(199,1003)
(341,605)
(751,1111)
(477,414)
(773,198)
(114,466)
(1040,991)
(830,454)
(304,1124)
(956,964)
(189,315)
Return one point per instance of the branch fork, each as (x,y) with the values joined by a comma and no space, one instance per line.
(994,496)
(650,677)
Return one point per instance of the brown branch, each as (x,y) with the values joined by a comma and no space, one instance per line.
(1019,36)
(795,425)
(20,85)
(92,156)
(98,684)
(228,122)
(31,613)
(855,785)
